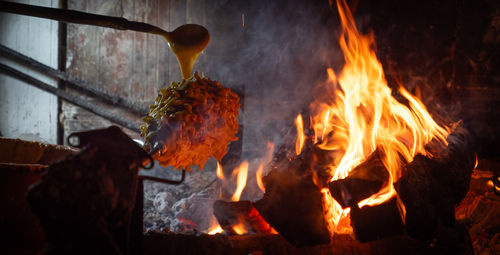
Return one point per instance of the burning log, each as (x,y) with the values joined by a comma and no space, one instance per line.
(363,181)
(430,188)
(293,204)
(242,213)
(376,222)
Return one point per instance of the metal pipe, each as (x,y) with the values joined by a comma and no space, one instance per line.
(166,181)
(72,82)
(79,17)
(69,97)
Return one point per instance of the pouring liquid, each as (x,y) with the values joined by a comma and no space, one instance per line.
(187,42)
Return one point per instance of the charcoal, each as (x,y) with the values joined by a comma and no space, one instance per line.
(377,222)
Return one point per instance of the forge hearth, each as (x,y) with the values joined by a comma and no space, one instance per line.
(394,148)
(477,212)
(424,209)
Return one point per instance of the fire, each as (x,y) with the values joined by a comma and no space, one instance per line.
(258,176)
(260,171)
(240,229)
(476,163)
(242,172)
(216,229)
(362,116)
(300,134)
(219,172)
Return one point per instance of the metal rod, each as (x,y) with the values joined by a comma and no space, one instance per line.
(80,17)
(72,82)
(166,181)
(89,106)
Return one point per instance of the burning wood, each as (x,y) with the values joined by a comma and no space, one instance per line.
(361,144)
(293,204)
(363,181)
(432,187)
(190,122)
(377,222)
(243,214)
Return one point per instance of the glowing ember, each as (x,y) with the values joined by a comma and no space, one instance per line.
(215,227)
(242,172)
(300,134)
(363,116)
(240,229)
(215,230)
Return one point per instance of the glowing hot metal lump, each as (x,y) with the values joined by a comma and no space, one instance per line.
(190,122)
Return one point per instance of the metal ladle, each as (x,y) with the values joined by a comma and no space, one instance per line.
(186,41)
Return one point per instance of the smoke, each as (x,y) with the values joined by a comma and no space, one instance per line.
(279,56)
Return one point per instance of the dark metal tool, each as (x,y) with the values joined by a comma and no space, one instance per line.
(78,17)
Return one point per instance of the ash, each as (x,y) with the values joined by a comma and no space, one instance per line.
(184,207)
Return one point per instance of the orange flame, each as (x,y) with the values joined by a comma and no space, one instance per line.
(216,229)
(260,171)
(258,176)
(242,172)
(240,229)
(476,163)
(363,116)
(300,134)
(219,172)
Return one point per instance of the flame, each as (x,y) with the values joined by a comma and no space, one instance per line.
(362,116)
(260,170)
(476,163)
(216,229)
(242,172)
(300,134)
(219,172)
(240,229)
(258,176)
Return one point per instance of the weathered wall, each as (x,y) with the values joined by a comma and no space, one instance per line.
(130,64)
(27,112)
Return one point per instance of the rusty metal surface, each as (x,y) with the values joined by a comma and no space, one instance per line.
(129,65)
